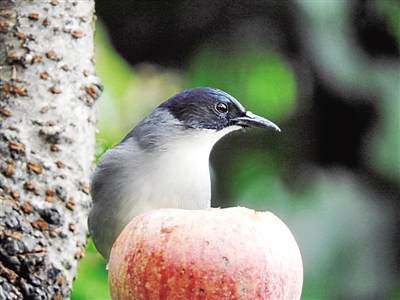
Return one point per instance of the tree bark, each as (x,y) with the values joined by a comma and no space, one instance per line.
(47,140)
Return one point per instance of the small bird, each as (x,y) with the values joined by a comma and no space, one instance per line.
(164,161)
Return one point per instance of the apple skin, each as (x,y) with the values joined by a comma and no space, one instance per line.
(231,253)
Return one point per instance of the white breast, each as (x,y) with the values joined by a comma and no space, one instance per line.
(176,176)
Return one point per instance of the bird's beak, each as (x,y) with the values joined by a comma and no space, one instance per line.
(252,120)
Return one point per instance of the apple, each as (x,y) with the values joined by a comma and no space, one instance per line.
(231,253)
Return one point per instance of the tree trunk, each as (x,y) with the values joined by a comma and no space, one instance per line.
(47,140)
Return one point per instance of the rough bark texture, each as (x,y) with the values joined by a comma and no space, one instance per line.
(47,141)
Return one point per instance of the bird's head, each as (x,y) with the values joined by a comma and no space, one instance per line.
(213,109)
(196,117)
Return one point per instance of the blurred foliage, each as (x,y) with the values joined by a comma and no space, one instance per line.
(92,281)
(384,146)
(117,77)
(385,142)
(129,93)
(257,76)
(391,12)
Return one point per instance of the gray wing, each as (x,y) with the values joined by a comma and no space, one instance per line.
(110,184)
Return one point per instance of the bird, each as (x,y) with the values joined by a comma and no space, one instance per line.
(163,162)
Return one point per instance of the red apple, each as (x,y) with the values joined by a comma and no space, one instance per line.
(232,253)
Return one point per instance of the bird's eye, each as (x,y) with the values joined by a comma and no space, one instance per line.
(221,107)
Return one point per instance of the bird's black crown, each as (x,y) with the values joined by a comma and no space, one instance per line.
(204,108)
